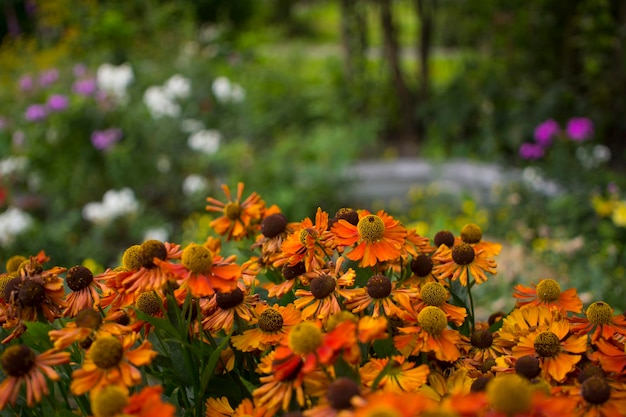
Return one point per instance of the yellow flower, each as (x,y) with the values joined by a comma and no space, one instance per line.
(619,214)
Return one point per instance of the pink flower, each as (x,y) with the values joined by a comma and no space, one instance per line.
(104,139)
(85,86)
(545,131)
(579,129)
(58,102)
(531,151)
(36,112)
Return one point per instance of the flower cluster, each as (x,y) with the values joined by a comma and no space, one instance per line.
(353,314)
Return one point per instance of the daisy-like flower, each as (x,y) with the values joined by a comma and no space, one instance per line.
(274,324)
(612,358)
(220,407)
(325,288)
(472,234)
(110,360)
(400,375)
(430,334)
(521,322)
(204,272)
(484,345)
(239,218)
(85,291)
(149,268)
(85,326)
(307,244)
(594,395)
(421,268)
(115,401)
(436,294)
(461,262)
(378,238)
(291,275)
(24,367)
(222,308)
(557,350)
(274,230)
(381,296)
(600,322)
(548,292)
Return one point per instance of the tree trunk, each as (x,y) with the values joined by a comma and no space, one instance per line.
(354,41)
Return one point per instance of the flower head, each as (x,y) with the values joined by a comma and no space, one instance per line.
(239,218)
(579,129)
(546,131)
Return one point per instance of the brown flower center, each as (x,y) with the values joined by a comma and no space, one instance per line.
(78,277)
(151,249)
(463,254)
(349,215)
(379,286)
(293,271)
(232,210)
(88,318)
(481,339)
(422,265)
(528,367)
(340,392)
(273,225)
(323,286)
(595,390)
(547,344)
(305,233)
(444,237)
(149,303)
(32,293)
(270,320)
(226,300)
(17,360)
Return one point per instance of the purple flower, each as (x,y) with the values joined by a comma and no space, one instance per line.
(85,86)
(79,70)
(104,139)
(531,151)
(58,102)
(36,112)
(545,131)
(48,77)
(26,83)
(579,129)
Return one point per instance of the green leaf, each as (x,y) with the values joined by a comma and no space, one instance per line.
(212,363)
(36,335)
(384,348)
(160,324)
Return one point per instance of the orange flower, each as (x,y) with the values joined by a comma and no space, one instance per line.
(461,262)
(600,322)
(436,294)
(557,351)
(612,358)
(400,375)
(114,401)
(380,296)
(274,230)
(220,310)
(596,396)
(150,274)
(220,407)
(548,292)
(378,238)
(521,322)
(239,219)
(307,244)
(204,272)
(23,367)
(110,360)
(273,326)
(85,291)
(86,324)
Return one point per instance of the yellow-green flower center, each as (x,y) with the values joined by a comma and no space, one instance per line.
(151,249)
(4,280)
(471,233)
(599,313)
(432,319)
(106,352)
(110,401)
(78,277)
(88,318)
(509,394)
(14,262)
(305,233)
(548,290)
(131,260)
(371,228)
(270,320)
(149,303)
(434,294)
(232,210)
(305,337)
(547,344)
(335,319)
(197,258)
(463,254)
(17,360)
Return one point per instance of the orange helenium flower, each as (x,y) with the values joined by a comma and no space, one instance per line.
(461,262)
(239,218)
(400,375)
(548,292)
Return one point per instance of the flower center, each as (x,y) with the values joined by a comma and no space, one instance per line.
(547,344)
(371,228)
(349,215)
(88,318)
(509,394)
(151,249)
(432,319)
(270,320)
(226,300)
(292,271)
(149,303)
(273,225)
(232,210)
(548,290)
(444,237)
(197,258)
(471,233)
(528,367)
(463,254)
(340,392)
(78,277)
(434,294)
(379,286)
(110,401)
(481,339)
(596,390)
(304,338)
(131,260)
(599,313)
(14,262)
(323,286)
(480,384)
(32,293)
(17,360)
(305,233)
(422,265)
(106,352)
(590,371)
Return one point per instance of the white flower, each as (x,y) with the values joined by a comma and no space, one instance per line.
(227,92)
(114,204)
(12,164)
(194,184)
(156,233)
(159,103)
(177,86)
(114,80)
(191,125)
(13,222)
(206,141)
